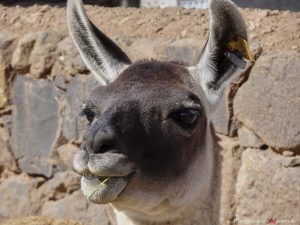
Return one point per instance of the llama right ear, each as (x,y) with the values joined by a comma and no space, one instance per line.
(102,56)
(224,51)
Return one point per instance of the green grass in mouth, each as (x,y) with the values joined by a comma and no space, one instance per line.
(98,187)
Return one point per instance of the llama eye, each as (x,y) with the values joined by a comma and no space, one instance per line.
(187,117)
(89,114)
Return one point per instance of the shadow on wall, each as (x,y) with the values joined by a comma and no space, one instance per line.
(292,5)
(60,3)
(32,2)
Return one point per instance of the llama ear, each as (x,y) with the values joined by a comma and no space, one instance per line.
(224,51)
(102,56)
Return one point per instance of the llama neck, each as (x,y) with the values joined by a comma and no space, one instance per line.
(202,210)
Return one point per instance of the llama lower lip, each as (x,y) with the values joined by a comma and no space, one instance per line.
(102,194)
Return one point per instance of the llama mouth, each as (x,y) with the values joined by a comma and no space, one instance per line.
(102,190)
(90,176)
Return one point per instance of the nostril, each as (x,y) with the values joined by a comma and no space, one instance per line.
(106,146)
(103,140)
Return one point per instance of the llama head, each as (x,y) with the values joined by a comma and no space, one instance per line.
(149,121)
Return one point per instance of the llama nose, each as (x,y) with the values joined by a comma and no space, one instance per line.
(100,141)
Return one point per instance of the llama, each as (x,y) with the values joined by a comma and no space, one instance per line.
(150,139)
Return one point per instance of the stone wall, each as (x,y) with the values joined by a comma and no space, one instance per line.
(43,81)
(292,5)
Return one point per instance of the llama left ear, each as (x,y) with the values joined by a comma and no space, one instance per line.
(102,56)
(223,53)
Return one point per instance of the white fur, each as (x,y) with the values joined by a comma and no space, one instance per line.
(192,197)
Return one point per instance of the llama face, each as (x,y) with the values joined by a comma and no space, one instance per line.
(139,127)
(149,129)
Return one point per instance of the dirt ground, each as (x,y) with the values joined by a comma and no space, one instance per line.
(266,28)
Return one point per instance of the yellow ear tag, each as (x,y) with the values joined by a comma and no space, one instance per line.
(242,46)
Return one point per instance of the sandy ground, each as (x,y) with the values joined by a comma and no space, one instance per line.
(266,28)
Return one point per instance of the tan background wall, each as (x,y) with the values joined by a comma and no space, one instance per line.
(43,80)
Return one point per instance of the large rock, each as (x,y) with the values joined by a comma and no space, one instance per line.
(76,207)
(18,197)
(269,102)
(231,153)
(248,138)
(36,124)
(77,91)
(146,48)
(3,96)
(7,160)
(7,45)
(21,56)
(66,154)
(6,121)
(40,220)
(69,61)
(62,184)
(185,50)
(43,55)
(221,116)
(268,186)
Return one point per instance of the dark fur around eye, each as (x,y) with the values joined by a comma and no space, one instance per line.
(186,118)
